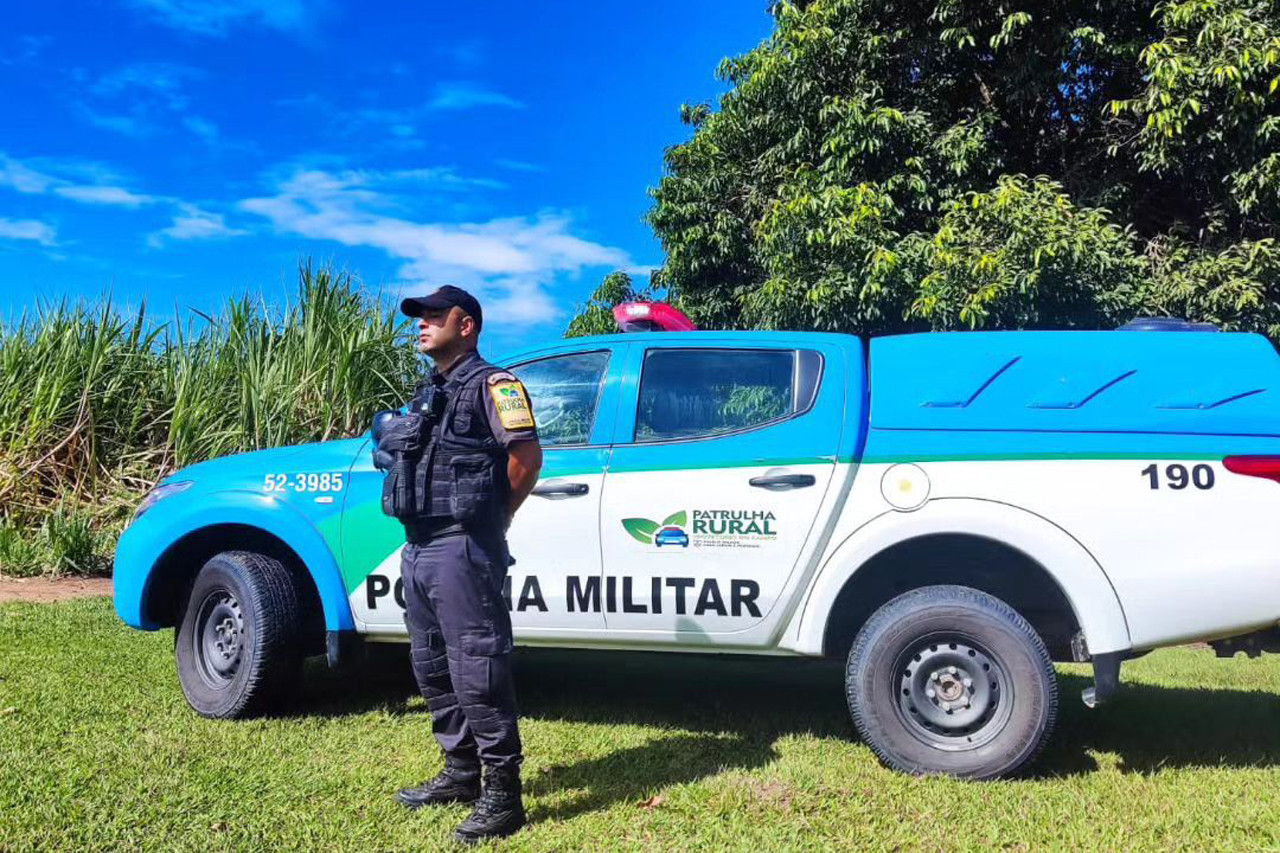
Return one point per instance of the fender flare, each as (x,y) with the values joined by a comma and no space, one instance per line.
(1082,580)
(146,542)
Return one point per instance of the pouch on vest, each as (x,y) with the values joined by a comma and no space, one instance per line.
(402,440)
(402,434)
(397,492)
(472,497)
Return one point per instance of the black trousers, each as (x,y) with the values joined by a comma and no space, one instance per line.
(460,644)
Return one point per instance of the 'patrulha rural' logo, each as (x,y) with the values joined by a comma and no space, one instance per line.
(711,528)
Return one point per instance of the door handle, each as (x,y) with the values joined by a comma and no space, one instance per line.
(779,482)
(554,489)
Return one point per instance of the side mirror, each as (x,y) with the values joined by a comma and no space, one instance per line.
(380,421)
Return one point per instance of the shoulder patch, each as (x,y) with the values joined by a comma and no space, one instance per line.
(501,376)
(511,402)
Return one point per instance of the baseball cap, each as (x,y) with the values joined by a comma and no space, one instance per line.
(444,298)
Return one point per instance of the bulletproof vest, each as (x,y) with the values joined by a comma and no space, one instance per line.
(462,473)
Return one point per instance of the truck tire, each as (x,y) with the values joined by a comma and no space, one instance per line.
(950,680)
(238,644)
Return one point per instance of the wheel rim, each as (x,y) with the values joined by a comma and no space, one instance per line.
(953,693)
(218,641)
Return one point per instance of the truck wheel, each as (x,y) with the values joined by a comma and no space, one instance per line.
(238,646)
(947,679)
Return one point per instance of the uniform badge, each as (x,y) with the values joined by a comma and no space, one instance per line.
(511,401)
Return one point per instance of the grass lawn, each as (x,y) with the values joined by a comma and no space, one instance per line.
(625,751)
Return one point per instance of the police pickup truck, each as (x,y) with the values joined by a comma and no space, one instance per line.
(949,513)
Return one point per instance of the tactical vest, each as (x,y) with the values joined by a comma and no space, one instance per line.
(462,473)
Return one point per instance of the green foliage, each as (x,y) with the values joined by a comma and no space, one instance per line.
(568,426)
(596,316)
(69,540)
(941,164)
(747,405)
(20,555)
(71,544)
(564,399)
(96,407)
(1022,255)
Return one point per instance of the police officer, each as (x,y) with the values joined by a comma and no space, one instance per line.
(479,459)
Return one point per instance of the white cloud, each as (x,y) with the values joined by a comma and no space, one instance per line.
(510,261)
(139,99)
(189,221)
(519,166)
(440,177)
(26,52)
(461,96)
(165,79)
(23,178)
(203,128)
(28,229)
(40,175)
(122,124)
(468,53)
(401,121)
(117,196)
(217,17)
(192,223)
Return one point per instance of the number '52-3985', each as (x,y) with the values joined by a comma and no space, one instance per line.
(303,482)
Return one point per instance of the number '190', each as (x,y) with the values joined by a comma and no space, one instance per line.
(1177,476)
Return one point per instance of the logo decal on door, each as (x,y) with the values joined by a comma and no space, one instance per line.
(711,528)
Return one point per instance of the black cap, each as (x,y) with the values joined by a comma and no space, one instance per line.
(444,298)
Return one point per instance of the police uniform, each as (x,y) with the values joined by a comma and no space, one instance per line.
(455,562)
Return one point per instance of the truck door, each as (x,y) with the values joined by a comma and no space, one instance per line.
(555,538)
(721,458)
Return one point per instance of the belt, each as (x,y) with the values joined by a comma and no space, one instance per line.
(420,531)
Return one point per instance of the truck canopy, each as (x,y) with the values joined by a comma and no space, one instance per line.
(1129,386)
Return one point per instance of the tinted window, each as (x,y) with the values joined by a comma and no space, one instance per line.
(564,391)
(693,393)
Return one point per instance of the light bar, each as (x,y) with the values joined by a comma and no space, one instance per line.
(651,317)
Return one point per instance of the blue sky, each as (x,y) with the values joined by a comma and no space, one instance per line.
(184,151)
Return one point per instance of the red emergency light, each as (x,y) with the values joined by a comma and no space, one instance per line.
(651,317)
(1267,467)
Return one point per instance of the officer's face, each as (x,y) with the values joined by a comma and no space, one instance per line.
(444,331)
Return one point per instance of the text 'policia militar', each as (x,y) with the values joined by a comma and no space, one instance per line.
(679,595)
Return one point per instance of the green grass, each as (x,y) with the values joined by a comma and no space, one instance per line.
(99,751)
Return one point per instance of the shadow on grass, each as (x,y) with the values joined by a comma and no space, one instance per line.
(1149,728)
(731,710)
(633,774)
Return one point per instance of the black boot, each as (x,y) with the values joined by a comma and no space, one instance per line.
(458,782)
(499,812)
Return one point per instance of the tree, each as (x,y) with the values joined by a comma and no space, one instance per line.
(888,165)
(596,317)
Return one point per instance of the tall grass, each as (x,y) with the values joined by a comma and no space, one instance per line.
(96,406)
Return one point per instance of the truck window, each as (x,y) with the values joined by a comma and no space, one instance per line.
(564,390)
(704,392)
